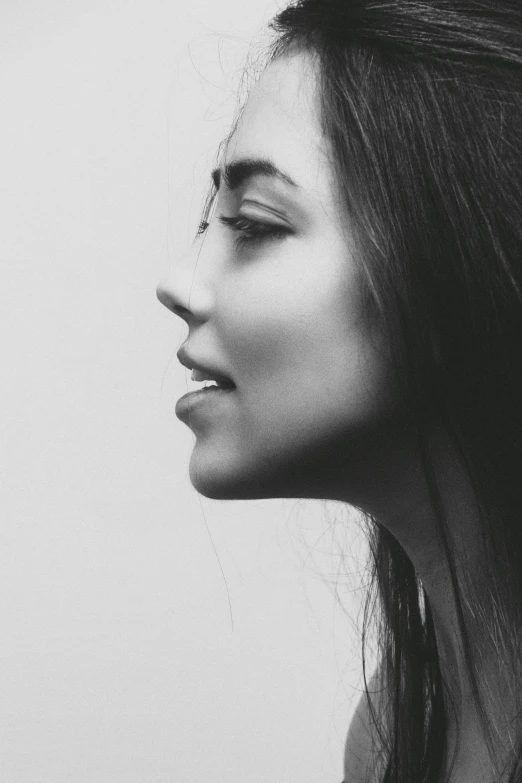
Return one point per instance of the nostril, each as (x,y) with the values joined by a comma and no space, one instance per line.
(179,310)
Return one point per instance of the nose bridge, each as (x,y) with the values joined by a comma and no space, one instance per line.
(187,288)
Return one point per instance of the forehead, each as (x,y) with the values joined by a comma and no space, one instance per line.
(281,122)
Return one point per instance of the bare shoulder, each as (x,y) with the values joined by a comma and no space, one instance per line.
(361,763)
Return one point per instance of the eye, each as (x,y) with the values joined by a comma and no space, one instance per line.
(253,231)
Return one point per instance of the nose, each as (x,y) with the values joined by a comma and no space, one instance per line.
(166,293)
(184,293)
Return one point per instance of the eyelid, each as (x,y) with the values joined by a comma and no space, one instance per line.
(244,223)
(253,232)
(229,220)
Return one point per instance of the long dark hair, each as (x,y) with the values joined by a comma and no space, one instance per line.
(422,105)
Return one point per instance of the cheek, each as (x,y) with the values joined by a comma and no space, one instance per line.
(301,359)
(273,330)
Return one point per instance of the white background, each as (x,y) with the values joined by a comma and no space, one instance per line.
(146,634)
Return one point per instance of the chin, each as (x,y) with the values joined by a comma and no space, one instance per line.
(216,480)
(216,483)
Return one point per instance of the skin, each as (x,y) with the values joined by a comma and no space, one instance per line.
(317,410)
(282,318)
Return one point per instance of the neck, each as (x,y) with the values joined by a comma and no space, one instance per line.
(408,513)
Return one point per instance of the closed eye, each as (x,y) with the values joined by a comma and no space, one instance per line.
(249,231)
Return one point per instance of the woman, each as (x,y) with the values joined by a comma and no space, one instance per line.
(357,297)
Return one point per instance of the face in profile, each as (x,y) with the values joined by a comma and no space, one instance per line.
(271,294)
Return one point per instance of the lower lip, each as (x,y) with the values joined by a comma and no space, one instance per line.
(193,401)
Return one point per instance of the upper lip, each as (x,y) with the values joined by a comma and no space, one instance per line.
(191,364)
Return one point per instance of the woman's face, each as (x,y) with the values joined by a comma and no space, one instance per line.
(280,314)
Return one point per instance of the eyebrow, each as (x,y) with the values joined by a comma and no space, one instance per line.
(239,171)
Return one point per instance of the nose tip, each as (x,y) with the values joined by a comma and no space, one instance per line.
(167,297)
(184,294)
(161,292)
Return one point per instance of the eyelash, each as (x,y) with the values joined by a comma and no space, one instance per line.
(249,231)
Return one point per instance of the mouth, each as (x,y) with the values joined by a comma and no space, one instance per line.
(201,397)
(209,386)
(200,372)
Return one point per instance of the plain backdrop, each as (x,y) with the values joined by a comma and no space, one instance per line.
(146,634)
